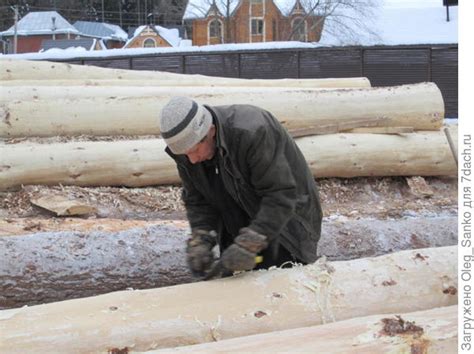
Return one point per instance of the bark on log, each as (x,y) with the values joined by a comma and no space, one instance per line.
(250,303)
(431,331)
(419,106)
(43,71)
(144,162)
(44,267)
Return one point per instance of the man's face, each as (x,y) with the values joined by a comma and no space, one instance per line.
(203,150)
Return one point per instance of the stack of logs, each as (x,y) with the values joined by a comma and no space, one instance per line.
(404,302)
(345,128)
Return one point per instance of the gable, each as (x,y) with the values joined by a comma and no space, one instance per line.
(162,36)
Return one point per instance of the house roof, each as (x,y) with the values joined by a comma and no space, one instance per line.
(86,43)
(101,30)
(36,23)
(171,35)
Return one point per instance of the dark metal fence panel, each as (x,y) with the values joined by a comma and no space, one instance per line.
(269,65)
(388,67)
(172,63)
(330,63)
(115,63)
(444,72)
(225,65)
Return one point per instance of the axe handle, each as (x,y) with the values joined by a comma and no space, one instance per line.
(451,144)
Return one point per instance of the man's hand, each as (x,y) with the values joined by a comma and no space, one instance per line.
(199,251)
(241,254)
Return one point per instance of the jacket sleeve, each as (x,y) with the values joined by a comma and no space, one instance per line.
(272,179)
(200,213)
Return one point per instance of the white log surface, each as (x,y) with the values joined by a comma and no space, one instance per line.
(70,92)
(12,70)
(137,163)
(250,303)
(419,106)
(435,332)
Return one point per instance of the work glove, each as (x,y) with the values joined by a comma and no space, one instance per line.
(241,255)
(199,251)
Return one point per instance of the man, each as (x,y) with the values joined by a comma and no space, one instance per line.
(246,186)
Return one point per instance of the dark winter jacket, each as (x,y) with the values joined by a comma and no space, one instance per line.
(266,175)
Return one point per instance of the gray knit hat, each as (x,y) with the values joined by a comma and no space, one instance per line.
(183,124)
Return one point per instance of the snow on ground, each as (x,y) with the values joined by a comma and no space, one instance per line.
(397,22)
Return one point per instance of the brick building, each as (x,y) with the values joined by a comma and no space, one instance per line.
(36,27)
(249,21)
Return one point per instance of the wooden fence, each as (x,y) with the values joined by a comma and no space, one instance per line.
(384,66)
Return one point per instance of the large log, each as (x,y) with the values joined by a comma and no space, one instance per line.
(68,92)
(143,162)
(431,331)
(418,106)
(43,267)
(12,70)
(250,303)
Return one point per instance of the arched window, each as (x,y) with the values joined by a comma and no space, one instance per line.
(298,28)
(149,43)
(215,29)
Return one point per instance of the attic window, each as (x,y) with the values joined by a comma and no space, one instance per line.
(215,29)
(299,29)
(257,26)
(149,43)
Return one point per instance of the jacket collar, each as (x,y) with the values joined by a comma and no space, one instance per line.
(221,146)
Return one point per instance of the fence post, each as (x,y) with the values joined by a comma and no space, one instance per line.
(183,64)
(238,65)
(298,57)
(430,64)
(130,63)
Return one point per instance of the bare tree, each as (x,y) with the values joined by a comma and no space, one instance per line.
(345,20)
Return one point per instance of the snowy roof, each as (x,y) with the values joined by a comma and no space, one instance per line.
(171,35)
(41,23)
(101,30)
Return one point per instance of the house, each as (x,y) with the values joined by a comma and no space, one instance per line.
(85,43)
(112,35)
(150,36)
(248,21)
(35,27)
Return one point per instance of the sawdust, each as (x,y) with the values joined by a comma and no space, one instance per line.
(387,197)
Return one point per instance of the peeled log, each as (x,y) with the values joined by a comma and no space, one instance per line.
(12,70)
(435,331)
(250,303)
(52,266)
(418,106)
(137,163)
(67,92)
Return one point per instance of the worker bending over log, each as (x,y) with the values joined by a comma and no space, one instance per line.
(246,187)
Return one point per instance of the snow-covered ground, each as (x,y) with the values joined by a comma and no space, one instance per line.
(397,22)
